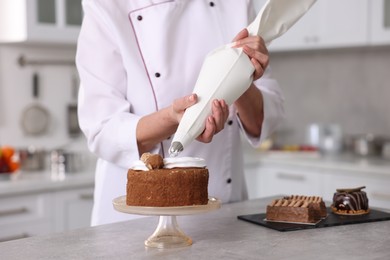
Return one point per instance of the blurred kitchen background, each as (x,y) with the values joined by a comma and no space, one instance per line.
(333,67)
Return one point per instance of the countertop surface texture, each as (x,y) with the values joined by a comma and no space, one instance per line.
(216,235)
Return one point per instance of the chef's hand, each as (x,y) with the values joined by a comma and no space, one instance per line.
(214,123)
(180,105)
(255,48)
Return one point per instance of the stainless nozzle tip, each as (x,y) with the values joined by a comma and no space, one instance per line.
(175,149)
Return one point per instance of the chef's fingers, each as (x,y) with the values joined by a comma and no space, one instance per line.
(180,105)
(216,122)
(261,58)
(220,113)
(209,131)
(241,35)
(259,71)
(255,42)
(183,103)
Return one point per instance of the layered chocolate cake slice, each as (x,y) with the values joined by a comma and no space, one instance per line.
(296,208)
(318,203)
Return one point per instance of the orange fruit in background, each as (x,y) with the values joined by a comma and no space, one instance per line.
(7,155)
(7,152)
(13,166)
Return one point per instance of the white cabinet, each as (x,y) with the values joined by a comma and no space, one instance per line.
(24,216)
(380,22)
(43,213)
(74,209)
(40,21)
(264,181)
(328,24)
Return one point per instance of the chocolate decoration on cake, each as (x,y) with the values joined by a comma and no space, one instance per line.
(350,201)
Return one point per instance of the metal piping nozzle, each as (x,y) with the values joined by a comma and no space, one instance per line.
(175,149)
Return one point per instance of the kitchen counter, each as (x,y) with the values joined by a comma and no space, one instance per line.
(33,182)
(345,162)
(216,235)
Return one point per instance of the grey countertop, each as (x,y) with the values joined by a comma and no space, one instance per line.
(216,235)
(32,182)
(315,160)
(27,182)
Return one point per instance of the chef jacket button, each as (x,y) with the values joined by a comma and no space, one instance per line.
(212,4)
(139,17)
(230,122)
(157,75)
(229,181)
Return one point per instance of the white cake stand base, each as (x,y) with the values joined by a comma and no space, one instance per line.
(168,233)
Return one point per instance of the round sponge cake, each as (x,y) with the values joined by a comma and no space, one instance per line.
(167,187)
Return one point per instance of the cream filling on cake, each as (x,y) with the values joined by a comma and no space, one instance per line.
(139,166)
(184,162)
(176,162)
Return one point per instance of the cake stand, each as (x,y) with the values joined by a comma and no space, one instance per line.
(167,234)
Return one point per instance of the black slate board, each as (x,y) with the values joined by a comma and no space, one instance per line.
(330,221)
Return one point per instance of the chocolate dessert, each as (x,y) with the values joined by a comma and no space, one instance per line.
(318,203)
(350,202)
(296,208)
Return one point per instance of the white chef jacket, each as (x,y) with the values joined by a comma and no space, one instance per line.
(134,58)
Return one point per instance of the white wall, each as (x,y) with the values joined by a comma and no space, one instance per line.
(55,95)
(349,87)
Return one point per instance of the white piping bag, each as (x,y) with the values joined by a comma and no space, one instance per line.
(227,72)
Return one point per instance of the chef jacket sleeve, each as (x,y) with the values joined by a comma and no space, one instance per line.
(272,105)
(103,110)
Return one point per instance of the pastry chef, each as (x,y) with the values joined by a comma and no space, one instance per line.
(138,62)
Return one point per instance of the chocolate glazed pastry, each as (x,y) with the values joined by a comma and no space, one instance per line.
(350,202)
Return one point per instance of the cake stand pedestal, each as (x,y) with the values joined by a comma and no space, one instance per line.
(168,233)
